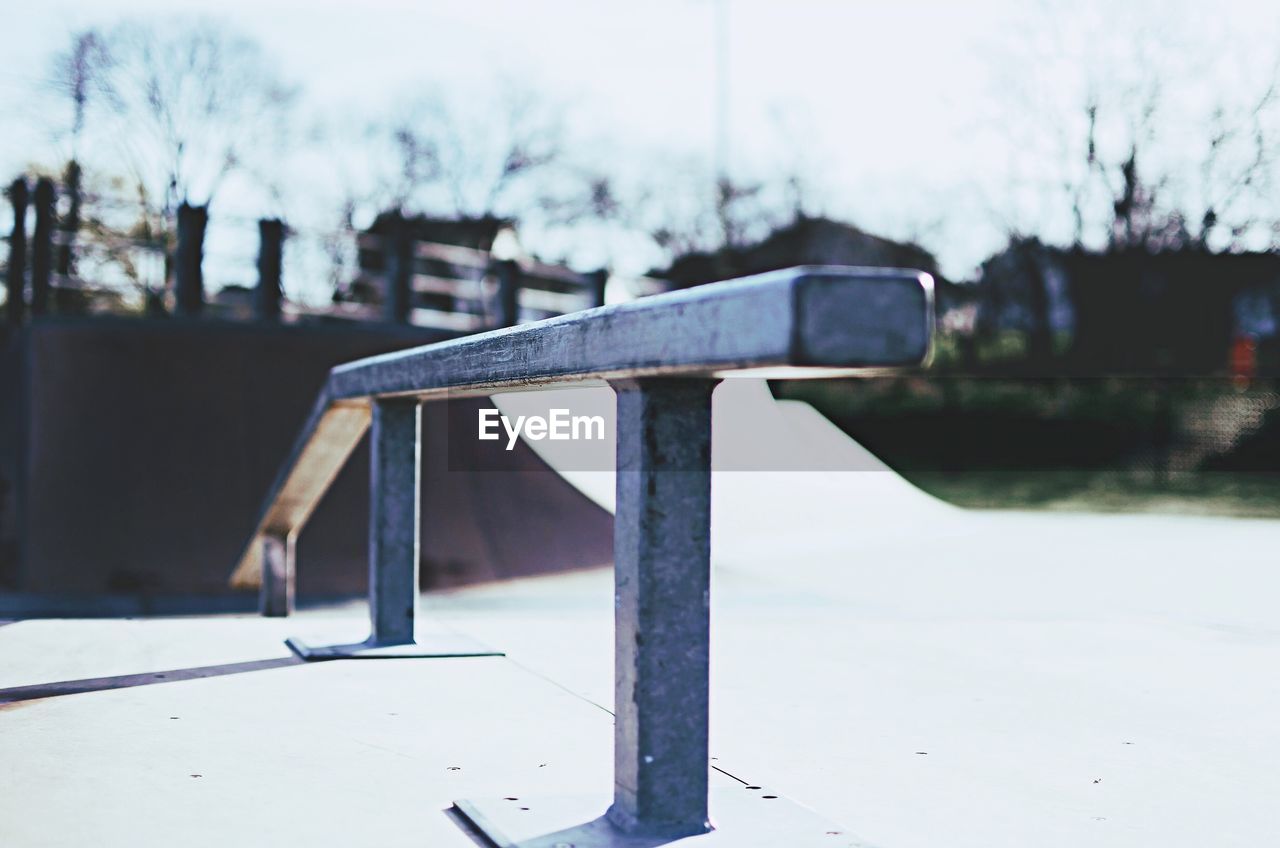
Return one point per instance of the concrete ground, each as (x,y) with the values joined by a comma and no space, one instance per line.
(919,675)
(1115,689)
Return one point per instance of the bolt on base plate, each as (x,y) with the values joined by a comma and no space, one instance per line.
(742,818)
(436,645)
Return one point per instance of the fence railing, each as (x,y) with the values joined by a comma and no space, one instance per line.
(462,288)
(663,355)
(402,277)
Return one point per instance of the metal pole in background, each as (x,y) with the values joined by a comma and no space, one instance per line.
(599,281)
(398,261)
(188,289)
(15,280)
(269,293)
(279,553)
(723,180)
(508,273)
(72,180)
(42,246)
(662,568)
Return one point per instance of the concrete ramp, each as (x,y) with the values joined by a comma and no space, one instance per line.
(785,478)
(518,520)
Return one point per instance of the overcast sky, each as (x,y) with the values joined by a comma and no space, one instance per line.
(913,119)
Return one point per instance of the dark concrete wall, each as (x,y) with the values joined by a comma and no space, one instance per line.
(11,440)
(150,445)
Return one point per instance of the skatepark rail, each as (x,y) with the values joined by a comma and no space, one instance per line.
(663,355)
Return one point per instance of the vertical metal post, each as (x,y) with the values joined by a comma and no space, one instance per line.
(599,281)
(188,289)
(508,274)
(394,483)
(72,180)
(662,553)
(42,246)
(16,279)
(270,260)
(278,569)
(398,262)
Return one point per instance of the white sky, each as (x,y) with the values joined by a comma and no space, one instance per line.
(912,119)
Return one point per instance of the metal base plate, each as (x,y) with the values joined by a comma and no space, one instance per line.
(436,645)
(743,818)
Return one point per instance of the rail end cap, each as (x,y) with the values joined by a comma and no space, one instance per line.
(863,317)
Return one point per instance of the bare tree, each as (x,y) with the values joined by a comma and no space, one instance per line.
(1238,165)
(195,102)
(684,207)
(1118,121)
(501,156)
(158,113)
(79,74)
(509,156)
(1236,158)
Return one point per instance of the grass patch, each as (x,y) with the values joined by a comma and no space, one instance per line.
(1240,495)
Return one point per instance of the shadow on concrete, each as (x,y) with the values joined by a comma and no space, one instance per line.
(489,832)
(596,832)
(467,828)
(36,691)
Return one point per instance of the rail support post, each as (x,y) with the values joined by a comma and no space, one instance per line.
(662,579)
(278,556)
(662,583)
(395,478)
(394,481)
(662,574)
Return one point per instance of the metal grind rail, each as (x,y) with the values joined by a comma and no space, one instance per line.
(663,355)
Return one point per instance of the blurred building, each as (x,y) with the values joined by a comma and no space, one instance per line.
(805,241)
(1175,312)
